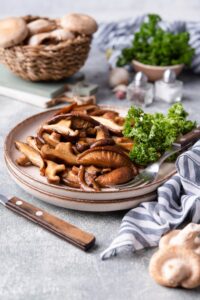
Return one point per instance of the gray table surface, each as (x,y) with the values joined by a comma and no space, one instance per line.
(36,265)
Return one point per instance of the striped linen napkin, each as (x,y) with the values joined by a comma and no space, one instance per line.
(119,35)
(178,201)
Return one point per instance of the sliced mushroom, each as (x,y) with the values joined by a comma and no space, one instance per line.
(88,108)
(102,132)
(81,121)
(52,139)
(82,146)
(23,161)
(34,142)
(102,112)
(106,157)
(62,127)
(117,176)
(82,182)
(70,179)
(112,126)
(63,152)
(103,142)
(90,181)
(33,156)
(52,170)
(66,109)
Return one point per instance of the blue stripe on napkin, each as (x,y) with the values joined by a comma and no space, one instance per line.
(178,200)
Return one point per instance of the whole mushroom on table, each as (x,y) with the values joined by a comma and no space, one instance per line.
(177,262)
(81,146)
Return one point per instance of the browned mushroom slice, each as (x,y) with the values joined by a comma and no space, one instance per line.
(34,142)
(103,142)
(106,157)
(126,146)
(33,156)
(70,179)
(52,170)
(82,146)
(102,112)
(23,161)
(91,131)
(93,170)
(119,120)
(65,110)
(63,152)
(62,127)
(89,141)
(117,176)
(110,115)
(82,182)
(81,121)
(102,132)
(112,126)
(90,180)
(52,139)
(88,108)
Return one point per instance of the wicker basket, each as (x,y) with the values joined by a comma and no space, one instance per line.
(46,62)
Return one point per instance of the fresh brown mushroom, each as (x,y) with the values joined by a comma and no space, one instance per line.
(177,262)
(62,151)
(117,176)
(105,157)
(33,156)
(52,139)
(52,170)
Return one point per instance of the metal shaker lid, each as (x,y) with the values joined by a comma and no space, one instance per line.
(140,79)
(169,76)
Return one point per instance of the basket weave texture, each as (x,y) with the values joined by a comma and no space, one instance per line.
(46,62)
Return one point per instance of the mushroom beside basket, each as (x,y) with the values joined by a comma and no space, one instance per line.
(41,49)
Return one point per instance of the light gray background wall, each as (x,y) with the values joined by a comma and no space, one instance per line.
(105,9)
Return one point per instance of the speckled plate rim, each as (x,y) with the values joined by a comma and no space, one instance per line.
(65,188)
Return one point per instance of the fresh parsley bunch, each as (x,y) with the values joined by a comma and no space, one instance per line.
(154,46)
(153,134)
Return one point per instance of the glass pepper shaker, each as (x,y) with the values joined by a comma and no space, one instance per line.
(169,89)
(140,91)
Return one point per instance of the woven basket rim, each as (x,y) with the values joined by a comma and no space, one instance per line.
(62,44)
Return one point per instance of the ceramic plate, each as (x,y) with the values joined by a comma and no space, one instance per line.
(106,200)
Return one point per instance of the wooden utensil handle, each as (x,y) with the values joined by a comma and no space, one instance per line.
(190,137)
(57,226)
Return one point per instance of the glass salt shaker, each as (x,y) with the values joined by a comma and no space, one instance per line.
(140,91)
(169,89)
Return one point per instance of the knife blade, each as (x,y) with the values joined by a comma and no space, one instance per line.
(61,228)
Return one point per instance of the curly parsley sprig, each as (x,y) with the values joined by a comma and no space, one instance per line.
(153,134)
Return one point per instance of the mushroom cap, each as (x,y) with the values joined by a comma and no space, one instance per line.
(13,31)
(117,176)
(175,266)
(106,157)
(79,23)
(40,25)
(52,36)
